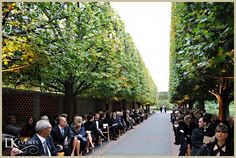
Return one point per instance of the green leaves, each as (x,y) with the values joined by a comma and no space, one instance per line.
(79,45)
(200,41)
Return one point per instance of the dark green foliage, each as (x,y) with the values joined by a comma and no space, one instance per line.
(202,51)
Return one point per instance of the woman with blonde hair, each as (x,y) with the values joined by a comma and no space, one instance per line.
(79,131)
(187,129)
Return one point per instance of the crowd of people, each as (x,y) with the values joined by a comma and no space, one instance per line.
(201,134)
(60,136)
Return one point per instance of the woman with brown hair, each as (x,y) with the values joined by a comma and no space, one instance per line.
(29,128)
(222,146)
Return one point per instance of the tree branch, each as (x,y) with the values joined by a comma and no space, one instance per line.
(16,68)
(54,87)
(215,94)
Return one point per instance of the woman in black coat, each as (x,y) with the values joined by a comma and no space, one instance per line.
(222,146)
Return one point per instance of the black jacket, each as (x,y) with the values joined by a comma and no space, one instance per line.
(197,137)
(59,139)
(207,150)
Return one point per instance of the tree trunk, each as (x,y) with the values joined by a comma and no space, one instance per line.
(224,96)
(190,103)
(133,105)
(221,105)
(124,104)
(223,102)
(108,104)
(223,108)
(74,106)
(201,103)
(68,102)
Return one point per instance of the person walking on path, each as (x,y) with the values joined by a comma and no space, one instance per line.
(160,109)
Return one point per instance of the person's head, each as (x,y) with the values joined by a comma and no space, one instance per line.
(202,122)
(221,132)
(44,117)
(114,115)
(78,121)
(64,115)
(43,128)
(119,114)
(188,119)
(90,118)
(180,117)
(62,121)
(12,119)
(97,116)
(213,117)
(30,120)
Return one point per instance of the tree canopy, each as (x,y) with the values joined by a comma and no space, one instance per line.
(202,50)
(75,48)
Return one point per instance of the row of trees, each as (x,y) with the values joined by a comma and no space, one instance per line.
(74,48)
(202,51)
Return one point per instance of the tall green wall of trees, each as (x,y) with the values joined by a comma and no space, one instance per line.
(201,54)
(75,48)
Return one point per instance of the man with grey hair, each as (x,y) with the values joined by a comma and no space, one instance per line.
(43,139)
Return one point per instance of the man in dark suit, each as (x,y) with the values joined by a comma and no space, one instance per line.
(91,125)
(198,135)
(99,127)
(62,135)
(43,139)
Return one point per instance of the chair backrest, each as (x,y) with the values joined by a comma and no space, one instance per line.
(106,130)
(105,125)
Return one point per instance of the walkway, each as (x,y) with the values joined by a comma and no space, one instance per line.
(153,137)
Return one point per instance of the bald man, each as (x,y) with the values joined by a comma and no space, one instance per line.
(62,135)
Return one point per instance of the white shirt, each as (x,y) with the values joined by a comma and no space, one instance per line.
(97,124)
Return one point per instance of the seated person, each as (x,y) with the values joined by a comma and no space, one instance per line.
(29,129)
(222,146)
(12,127)
(113,125)
(121,122)
(62,136)
(79,131)
(43,139)
(90,125)
(128,120)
